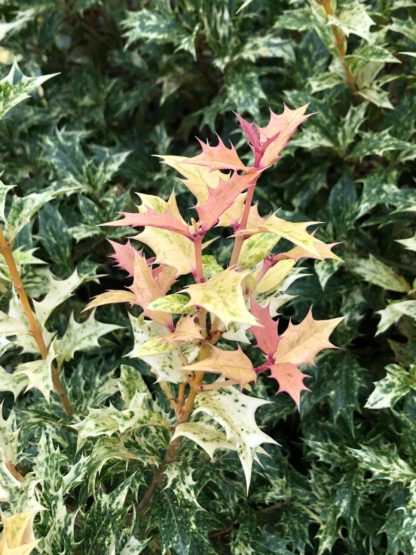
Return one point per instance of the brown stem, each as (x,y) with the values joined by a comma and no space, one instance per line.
(13,471)
(173,448)
(340,43)
(35,329)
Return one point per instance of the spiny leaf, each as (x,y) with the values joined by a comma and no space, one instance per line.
(222,197)
(292,231)
(265,333)
(187,330)
(234,412)
(83,336)
(223,296)
(267,142)
(218,157)
(17,537)
(300,343)
(395,385)
(290,379)
(16,87)
(234,365)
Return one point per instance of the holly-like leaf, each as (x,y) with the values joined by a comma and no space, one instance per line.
(58,292)
(187,330)
(222,197)
(124,256)
(393,312)
(16,87)
(265,333)
(38,373)
(151,218)
(109,420)
(164,359)
(234,365)
(18,537)
(267,142)
(80,337)
(218,157)
(223,296)
(290,379)
(234,412)
(395,385)
(147,288)
(300,343)
(294,232)
(208,437)
(197,178)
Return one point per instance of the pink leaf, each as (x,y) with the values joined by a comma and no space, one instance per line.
(124,256)
(290,380)
(147,289)
(266,333)
(218,157)
(267,142)
(151,218)
(222,197)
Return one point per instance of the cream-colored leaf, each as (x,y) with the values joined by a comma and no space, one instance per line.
(295,232)
(39,372)
(275,276)
(164,359)
(223,296)
(81,336)
(58,292)
(187,331)
(111,297)
(174,303)
(234,365)
(170,248)
(235,413)
(197,178)
(300,343)
(256,248)
(18,537)
(206,436)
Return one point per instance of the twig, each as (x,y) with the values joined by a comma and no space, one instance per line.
(35,329)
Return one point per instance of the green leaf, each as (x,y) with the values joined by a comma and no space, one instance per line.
(160,28)
(182,527)
(105,519)
(376,272)
(353,18)
(256,248)
(55,238)
(173,303)
(17,87)
(234,412)
(81,337)
(393,312)
(395,385)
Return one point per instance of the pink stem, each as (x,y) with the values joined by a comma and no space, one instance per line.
(199,271)
(262,368)
(239,240)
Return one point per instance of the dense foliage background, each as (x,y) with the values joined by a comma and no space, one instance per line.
(138,78)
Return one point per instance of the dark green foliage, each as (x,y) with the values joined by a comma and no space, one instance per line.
(144,77)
